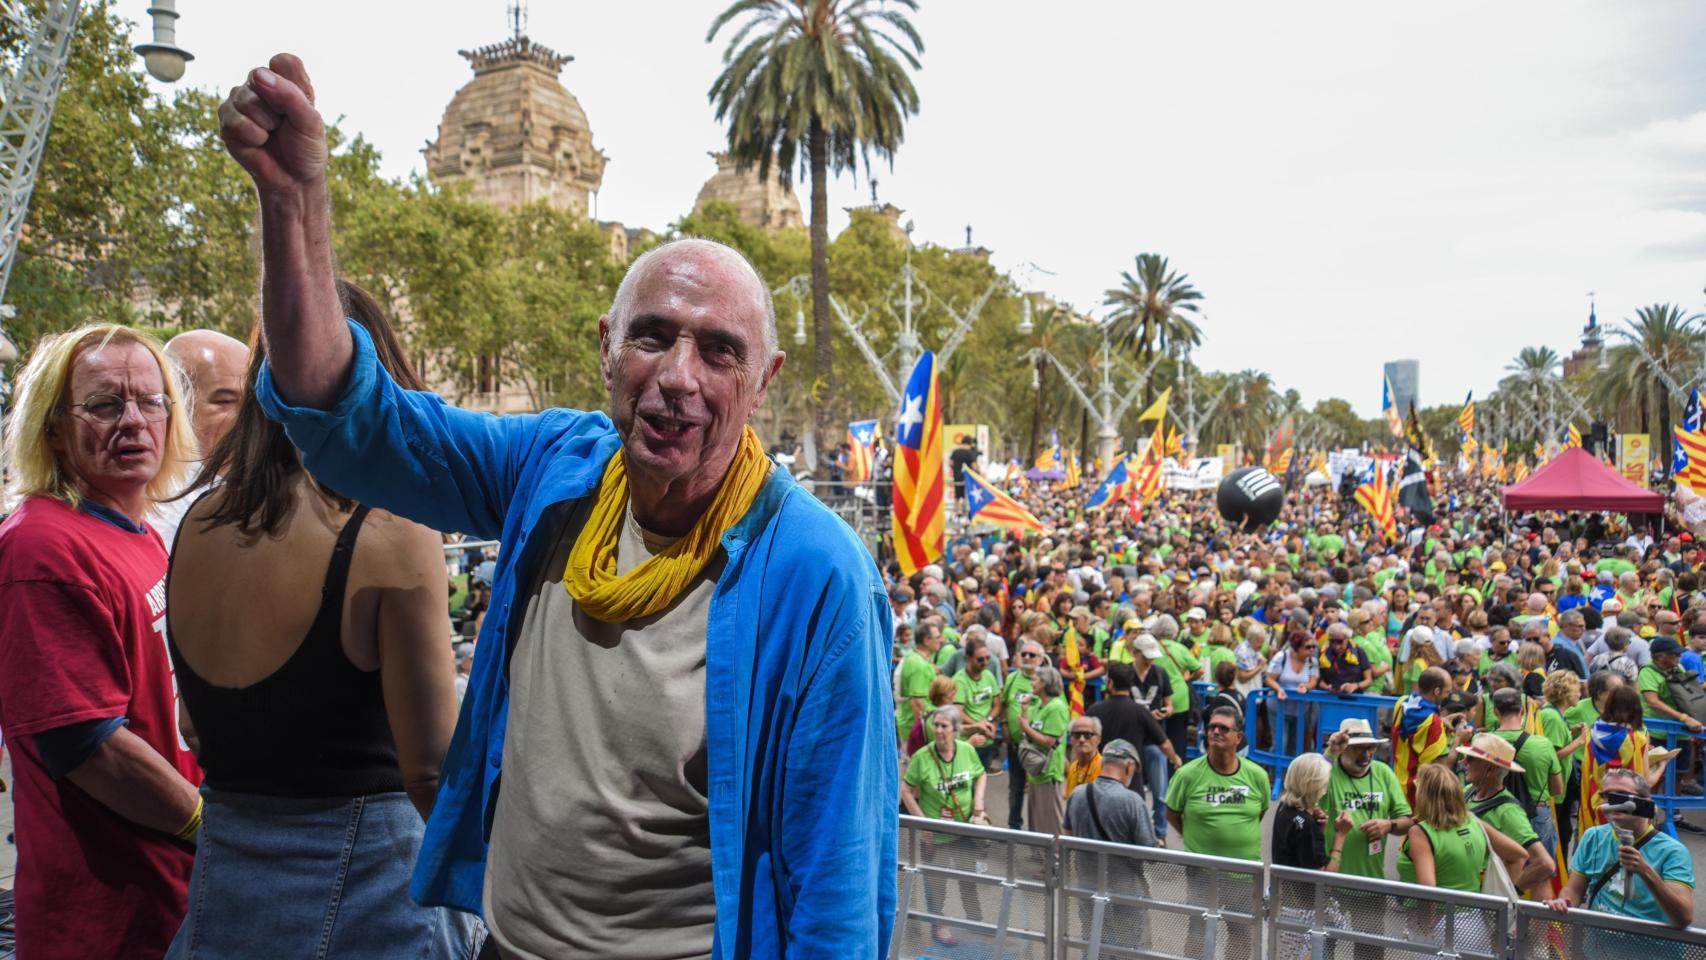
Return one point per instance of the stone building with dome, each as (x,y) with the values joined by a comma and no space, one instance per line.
(516,134)
(765,203)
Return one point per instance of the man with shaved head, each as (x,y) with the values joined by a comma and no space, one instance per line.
(676,737)
(214,368)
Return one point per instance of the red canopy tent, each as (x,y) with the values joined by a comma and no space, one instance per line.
(1575,480)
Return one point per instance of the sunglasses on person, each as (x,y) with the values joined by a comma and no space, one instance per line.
(1029,656)
(1225,728)
(1081,734)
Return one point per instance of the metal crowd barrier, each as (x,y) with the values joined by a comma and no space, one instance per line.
(1542,934)
(1309,910)
(1317,716)
(1027,896)
(1669,733)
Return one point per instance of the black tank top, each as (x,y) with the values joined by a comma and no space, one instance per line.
(315,727)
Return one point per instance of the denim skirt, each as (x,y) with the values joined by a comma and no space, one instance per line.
(319,878)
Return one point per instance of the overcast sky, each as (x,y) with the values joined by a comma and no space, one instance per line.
(1345,183)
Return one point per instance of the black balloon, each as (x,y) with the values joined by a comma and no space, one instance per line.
(1250,498)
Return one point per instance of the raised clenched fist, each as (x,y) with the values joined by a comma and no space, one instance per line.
(270,126)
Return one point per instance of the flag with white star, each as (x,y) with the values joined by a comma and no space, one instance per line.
(985,503)
(862,437)
(919,506)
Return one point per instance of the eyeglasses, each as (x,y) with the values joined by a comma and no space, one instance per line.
(1081,734)
(1029,656)
(108,408)
(1221,728)
(978,660)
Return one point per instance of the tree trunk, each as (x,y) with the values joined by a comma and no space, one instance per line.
(1084,440)
(1037,414)
(823,346)
(1663,443)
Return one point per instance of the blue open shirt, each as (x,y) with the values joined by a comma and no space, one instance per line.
(803,781)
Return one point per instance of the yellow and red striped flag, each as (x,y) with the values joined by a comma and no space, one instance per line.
(1693,443)
(1519,473)
(918,486)
(1466,418)
(1376,497)
(862,437)
(1148,479)
(1074,472)
(987,504)
(1572,436)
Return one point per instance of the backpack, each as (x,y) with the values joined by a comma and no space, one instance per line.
(1686,694)
(1518,790)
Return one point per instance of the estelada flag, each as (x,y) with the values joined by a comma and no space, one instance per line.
(862,436)
(986,503)
(1692,445)
(1114,486)
(1418,739)
(1375,496)
(918,485)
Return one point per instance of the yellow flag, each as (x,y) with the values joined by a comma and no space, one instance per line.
(1158,409)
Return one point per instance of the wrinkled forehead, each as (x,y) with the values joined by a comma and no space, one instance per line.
(114,366)
(705,278)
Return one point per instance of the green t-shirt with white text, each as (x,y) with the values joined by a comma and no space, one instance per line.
(1222,813)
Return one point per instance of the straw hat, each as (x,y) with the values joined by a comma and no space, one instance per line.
(1494,749)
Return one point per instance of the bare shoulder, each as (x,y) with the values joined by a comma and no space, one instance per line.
(400,550)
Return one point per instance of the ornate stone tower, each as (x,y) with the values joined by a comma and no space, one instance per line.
(762,204)
(515,133)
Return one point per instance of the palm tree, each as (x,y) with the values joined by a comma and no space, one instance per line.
(822,80)
(1153,310)
(1663,342)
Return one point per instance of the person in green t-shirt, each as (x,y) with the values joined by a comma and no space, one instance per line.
(916,672)
(1448,847)
(1215,804)
(1654,685)
(977,692)
(1016,696)
(945,780)
(1045,725)
(1488,766)
(1371,640)
(1538,758)
(1370,792)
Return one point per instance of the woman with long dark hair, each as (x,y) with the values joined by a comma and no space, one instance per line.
(311,643)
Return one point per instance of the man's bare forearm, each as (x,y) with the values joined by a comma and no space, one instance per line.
(308,344)
(131,779)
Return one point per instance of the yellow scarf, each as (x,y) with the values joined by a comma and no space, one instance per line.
(649,588)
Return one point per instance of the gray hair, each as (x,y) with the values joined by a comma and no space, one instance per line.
(1165,628)
(1339,631)
(1534,628)
(952,712)
(623,306)
(1505,672)
(1642,788)
(1571,616)
(1465,647)
(1095,723)
(1617,638)
(1048,682)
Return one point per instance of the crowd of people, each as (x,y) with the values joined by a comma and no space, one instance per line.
(1527,656)
(679,712)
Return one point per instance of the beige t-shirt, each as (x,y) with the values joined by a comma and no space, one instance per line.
(601,840)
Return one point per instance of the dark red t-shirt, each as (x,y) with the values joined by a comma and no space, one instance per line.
(83,636)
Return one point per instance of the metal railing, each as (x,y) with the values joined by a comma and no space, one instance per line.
(1028,895)
(1544,934)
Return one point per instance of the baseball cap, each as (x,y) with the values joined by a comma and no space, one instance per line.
(1148,646)
(1659,645)
(1196,613)
(1120,750)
